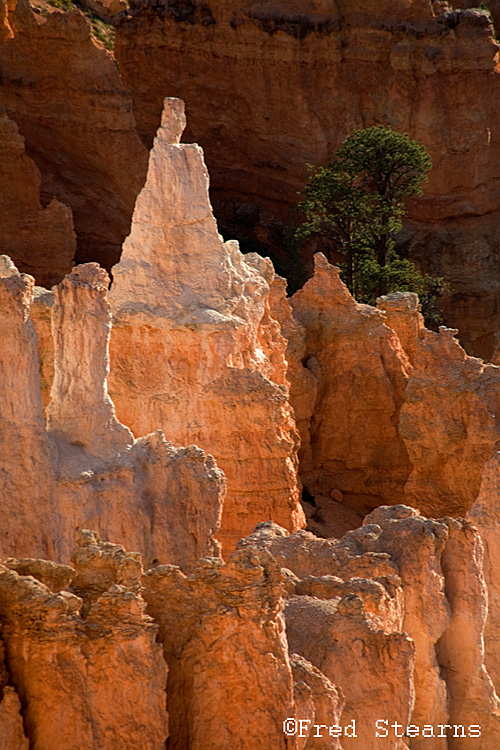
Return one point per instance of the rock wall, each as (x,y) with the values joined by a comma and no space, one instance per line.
(229,661)
(303,76)
(379,634)
(74,113)
(484,516)
(194,348)
(386,635)
(41,240)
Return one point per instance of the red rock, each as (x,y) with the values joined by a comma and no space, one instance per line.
(12,734)
(484,516)
(87,468)
(40,240)
(228,663)
(71,107)
(361,371)
(449,452)
(317,701)
(368,434)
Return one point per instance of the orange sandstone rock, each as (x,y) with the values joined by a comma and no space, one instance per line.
(71,107)
(80,409)
(439,565)
(485,517)
(41,316)
(194,349)
(318,702)
(230,682)
(303,76)
(461,651)
(377,381)
(373,669)
(87,469)
(361,371)
(441,568)
(25,458)
(449,451)
(88,673)
(12,734)
(346,618)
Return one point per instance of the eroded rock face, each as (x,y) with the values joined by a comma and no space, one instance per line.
(87,469)
(80,409)
(372,382)
(24,450)
(359,362)
(449,452)
(40,240)
(484,516)
(393,600)
(228,663)
(71,107)
(194,349)
(424,72)
(12,734)
(317,702)
(344,614)
(11,725)
(87,668)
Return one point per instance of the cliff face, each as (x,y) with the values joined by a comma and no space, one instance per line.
(391,604)
(41,240)
(194,349)
(303,76)
(71,107)
(385,625)
(85,665)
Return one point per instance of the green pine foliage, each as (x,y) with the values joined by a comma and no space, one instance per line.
(356,204)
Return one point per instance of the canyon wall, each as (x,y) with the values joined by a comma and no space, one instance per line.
(75,115)
(303,76)
(41,240)
(392,624)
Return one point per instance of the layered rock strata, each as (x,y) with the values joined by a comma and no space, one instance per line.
(70,104)
(194,348)
(230,682)
(86,468)
(83,657)
(303,76)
